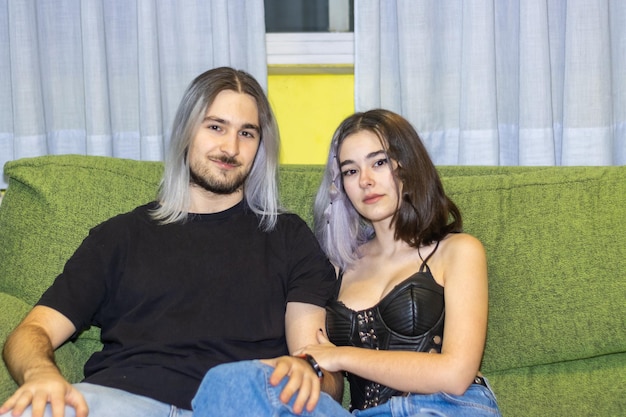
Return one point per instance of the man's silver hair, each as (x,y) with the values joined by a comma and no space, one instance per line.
(261,185)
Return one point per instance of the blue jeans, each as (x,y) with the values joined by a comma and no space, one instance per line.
(111,402)
(242,389)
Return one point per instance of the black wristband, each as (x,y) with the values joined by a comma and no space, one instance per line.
(316,366)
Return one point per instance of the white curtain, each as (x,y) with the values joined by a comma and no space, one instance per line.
(499,82)
(104,77)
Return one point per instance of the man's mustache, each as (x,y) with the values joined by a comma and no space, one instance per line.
(227,160)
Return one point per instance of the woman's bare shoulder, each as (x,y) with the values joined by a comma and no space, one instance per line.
(461,241)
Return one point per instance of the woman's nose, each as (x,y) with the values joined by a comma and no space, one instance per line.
(365,179)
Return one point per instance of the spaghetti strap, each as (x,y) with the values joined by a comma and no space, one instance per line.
(424,264)
(338,282)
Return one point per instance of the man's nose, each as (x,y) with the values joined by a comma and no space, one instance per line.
(230,144)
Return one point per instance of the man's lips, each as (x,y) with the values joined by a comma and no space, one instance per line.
(225,164)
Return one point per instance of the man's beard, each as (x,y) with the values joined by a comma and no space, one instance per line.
(216,185)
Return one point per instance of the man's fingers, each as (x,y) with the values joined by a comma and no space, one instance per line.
(302,383)
(38,399)
(20,401)
(314,396)
(38,404)
(308,395)
(76,400)
(281,370)
(8,404)
(296,384)
(292,386)
(58,407)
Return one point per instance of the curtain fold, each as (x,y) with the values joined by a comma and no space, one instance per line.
(105,77)
(506,82)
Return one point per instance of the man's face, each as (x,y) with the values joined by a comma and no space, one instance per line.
(223,150)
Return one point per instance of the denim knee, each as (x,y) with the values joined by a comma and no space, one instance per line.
(233,389)
(243,389)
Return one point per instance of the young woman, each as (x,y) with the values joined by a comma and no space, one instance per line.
(409,321)
(409,318)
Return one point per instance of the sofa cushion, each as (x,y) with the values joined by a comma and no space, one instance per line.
(586,387)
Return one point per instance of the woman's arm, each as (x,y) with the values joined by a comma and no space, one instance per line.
(464,272)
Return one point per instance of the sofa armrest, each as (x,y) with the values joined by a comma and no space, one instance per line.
(12,311)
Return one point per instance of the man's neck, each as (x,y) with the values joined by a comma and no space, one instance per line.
(205,202)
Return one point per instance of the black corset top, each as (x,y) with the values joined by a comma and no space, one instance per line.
(410,317)
(402,319)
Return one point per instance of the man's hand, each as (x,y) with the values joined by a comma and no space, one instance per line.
(45,386)
(29,356)
(302,380)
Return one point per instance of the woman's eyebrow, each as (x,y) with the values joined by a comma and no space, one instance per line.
(375,154)
(370,155)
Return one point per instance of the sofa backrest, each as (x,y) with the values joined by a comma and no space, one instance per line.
(554,237)
(50,205)
(556,252)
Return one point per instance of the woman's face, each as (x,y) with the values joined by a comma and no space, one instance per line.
(367,176)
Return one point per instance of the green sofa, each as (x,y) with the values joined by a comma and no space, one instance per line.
(555,239)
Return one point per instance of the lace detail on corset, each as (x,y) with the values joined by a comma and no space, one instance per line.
(369,339)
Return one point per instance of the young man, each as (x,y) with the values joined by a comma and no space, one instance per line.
(210,273)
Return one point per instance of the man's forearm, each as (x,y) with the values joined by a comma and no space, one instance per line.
(332,384)
(28,349)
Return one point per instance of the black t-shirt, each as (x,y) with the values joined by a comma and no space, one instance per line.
(174,300)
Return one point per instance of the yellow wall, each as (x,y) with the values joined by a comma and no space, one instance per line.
(309,106)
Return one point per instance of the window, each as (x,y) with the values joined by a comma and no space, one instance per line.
(309,16)
(309,32)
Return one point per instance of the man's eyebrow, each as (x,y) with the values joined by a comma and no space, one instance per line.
(368,156)
(251,126)
(226,122)
(215,119)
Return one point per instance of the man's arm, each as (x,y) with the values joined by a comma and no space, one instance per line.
(29,356)
(302,323)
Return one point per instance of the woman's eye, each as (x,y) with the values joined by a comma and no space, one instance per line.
(213,127)
(381,162)
(348,172)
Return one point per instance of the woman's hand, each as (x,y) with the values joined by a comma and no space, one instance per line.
(325,353)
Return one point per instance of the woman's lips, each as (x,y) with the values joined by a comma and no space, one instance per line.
(372,198)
